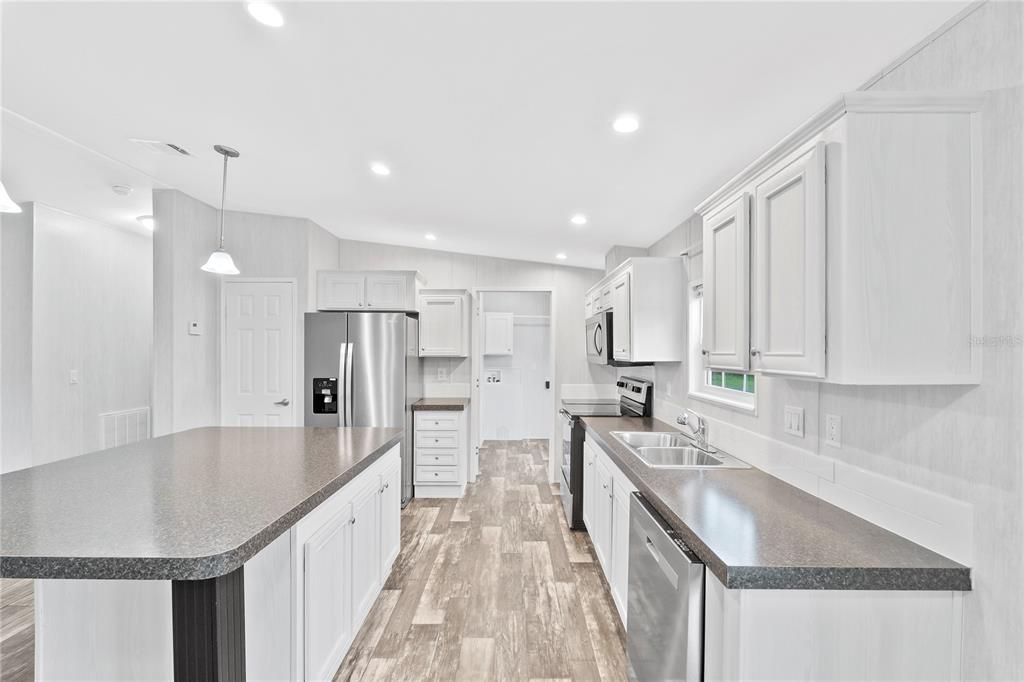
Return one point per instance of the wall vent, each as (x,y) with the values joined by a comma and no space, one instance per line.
(124,426)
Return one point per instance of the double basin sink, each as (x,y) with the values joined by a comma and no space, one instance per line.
(663,450)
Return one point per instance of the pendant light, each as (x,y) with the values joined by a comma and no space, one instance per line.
(220,262)
(7,204)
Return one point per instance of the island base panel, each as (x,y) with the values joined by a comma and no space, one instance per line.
(209,628)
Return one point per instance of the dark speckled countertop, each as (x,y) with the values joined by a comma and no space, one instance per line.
(441,404)
(755,531)
(191,505)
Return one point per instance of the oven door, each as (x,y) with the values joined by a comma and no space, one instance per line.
(566,460)
(598,334)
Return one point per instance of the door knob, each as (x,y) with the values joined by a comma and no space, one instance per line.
(284,402)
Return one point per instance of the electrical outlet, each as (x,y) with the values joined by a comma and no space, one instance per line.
(833,430)
(194,329)
(442,373)
(72,376)
(794,421)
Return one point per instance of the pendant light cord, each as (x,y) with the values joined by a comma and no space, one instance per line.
(223,194)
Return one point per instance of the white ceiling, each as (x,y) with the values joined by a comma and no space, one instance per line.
(494,117)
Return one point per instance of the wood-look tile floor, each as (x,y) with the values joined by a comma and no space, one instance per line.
(492,587)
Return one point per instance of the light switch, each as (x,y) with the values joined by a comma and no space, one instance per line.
(73,376)
(794,421)
(833,430)
(194,329)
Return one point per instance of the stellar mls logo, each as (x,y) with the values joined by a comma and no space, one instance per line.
(998,341)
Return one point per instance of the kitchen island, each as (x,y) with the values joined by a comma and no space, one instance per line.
(168,529)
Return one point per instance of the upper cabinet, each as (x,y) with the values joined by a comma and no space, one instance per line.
(726,322)
(864,256)
(647,300)
(444,323)
(371,290)
(499,331)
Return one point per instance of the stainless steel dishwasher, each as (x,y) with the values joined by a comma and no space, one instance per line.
(665,616)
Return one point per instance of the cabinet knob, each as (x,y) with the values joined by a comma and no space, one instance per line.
(423,348)
(360,304)
(754,352)
(387,485)
(704,351)
(352,521)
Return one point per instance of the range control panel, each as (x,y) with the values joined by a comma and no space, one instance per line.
(325,395)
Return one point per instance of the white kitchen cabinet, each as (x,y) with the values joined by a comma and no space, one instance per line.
(367,290)
(621,313)
(390,516)
(648,304)
(441,459)
(606,492)
(726,332)
(499,331)
(866,229)
(366,541)
(788,334)
(327,600)
(344,551)
(444,323)
(340,290)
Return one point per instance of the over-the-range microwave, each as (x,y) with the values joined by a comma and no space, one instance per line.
(599,341)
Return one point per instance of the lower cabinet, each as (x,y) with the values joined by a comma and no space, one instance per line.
(442,460)
(344,551)
(606,492)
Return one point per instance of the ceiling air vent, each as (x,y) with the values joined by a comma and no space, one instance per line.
(158,147)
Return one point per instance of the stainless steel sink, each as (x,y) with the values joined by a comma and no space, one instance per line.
(674,451)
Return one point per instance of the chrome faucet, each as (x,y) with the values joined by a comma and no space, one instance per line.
(698,427)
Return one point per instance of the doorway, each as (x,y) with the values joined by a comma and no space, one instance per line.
(258,360)
(513,368)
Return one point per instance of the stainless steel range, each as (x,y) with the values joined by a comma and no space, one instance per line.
(636,399)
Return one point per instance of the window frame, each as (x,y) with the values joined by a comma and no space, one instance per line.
(698,380)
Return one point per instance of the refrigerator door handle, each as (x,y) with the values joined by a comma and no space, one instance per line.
(349,352)
(342,365)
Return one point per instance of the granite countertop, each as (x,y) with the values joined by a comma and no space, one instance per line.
(754,531)
(441,404)
(192,505)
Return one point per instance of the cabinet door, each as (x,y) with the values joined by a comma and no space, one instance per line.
(498,331)
(619,543)
(327,599)
(588,487)
(390,516)
(621,327)
(366,550)
(789,269)
(601,535)
(442,326)
(726,324)
(340,290)
(387,292)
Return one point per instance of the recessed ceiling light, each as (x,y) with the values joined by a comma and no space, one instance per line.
(626,123)
(122,190)
(266,14)
(430,237)
(560,256)
(578,219)
(380,169)
(147,221)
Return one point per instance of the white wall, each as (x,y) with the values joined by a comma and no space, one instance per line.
(908,452)
(519,407)
(16,330)
(92,312)
(186,374)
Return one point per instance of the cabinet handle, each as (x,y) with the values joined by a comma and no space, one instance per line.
(704,351)
(754,352)
(423,348)
(387,485)
(352,521)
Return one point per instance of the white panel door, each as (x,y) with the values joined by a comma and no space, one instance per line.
(390,515)
(327,604)
(386,292)
(366,551)
(442,326)
(601,533)
(621,319)
(258,356)
(589,474)
(340,290)
(619,544)
(498,333)
(726,326)
(789,269)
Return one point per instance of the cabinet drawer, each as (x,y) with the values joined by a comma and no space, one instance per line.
(437,439)
(436,475)
(434,421)
(443,458)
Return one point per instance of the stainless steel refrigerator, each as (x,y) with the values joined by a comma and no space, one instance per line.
(364,369)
